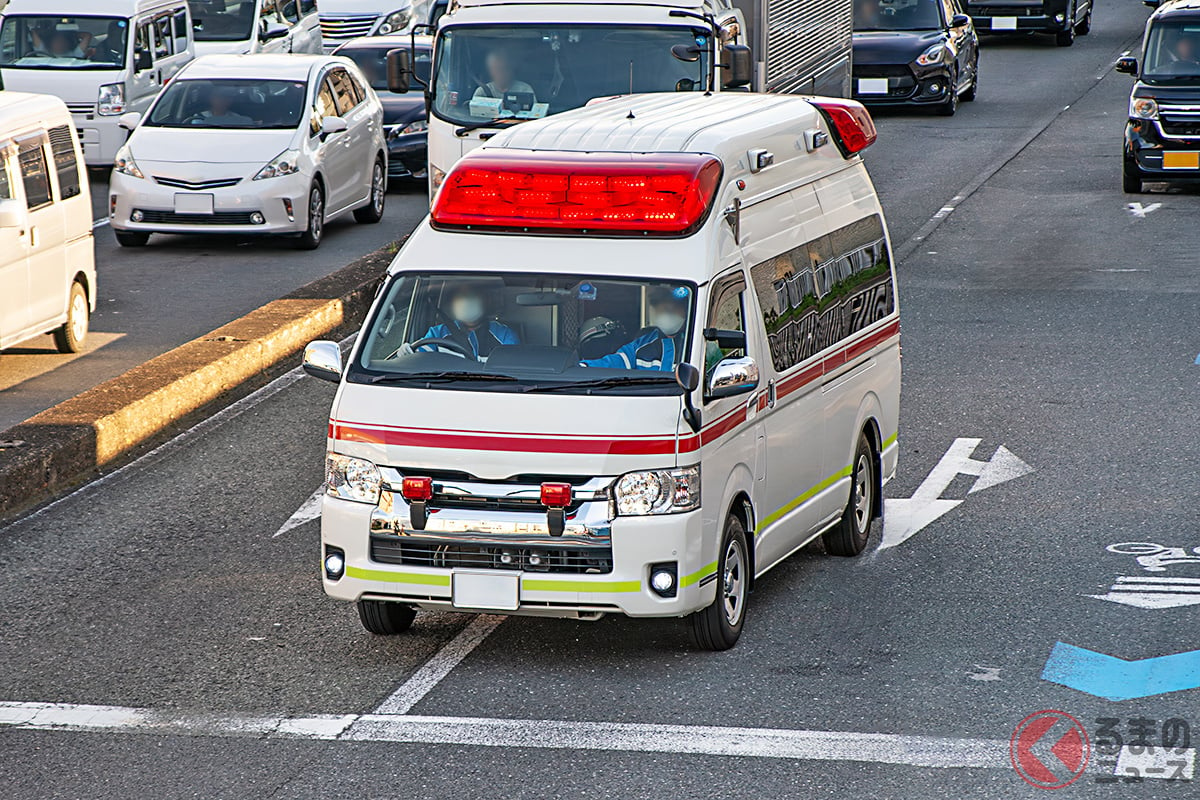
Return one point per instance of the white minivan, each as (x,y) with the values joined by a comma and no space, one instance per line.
(255,26)
(637,355)
(47,262)
(102,58)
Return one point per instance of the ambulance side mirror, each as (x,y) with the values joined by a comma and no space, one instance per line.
(323,359)
(733,376)
(688,378)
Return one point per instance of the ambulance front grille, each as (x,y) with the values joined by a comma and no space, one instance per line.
(412,551)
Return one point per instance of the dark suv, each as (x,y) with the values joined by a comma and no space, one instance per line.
(1063,18)
(1162,137)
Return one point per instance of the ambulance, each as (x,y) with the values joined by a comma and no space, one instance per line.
(637,355)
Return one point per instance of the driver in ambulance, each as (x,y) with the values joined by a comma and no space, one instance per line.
(468,312)
(658,347)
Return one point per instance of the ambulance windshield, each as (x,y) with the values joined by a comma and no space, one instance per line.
(530,333)
(517,72)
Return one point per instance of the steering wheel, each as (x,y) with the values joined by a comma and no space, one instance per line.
(449,344)
(43,53)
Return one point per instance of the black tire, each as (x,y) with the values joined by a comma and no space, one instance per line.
(132,238)
(372,212)
(315,230)
(719,626)
(849,537)
(69,338)
(1085,25)
(383,618)
(1066,38)
(973,91)
(1131,177)
(950,107)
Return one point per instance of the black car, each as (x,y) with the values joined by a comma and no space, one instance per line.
(1162,137)
(914,52)
(404,118)
(1063,18)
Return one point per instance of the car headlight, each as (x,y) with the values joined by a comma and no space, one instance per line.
(933,55)
(286,163)
(1143,107)
(124,163)
(111,100)
(416,126)
(354,479)
(658,491)
(395,21)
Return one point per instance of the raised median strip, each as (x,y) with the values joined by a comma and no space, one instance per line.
(69,442)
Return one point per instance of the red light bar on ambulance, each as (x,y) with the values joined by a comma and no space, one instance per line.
(853,128)
(615,194)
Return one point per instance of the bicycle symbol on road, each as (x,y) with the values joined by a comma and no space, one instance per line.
(1156,557)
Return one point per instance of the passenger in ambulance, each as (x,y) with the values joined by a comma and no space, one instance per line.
(658,347)
(468,312)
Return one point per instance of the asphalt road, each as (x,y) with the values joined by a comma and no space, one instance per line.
(1043,315)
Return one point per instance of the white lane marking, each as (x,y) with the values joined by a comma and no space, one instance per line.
(904,517)
(1163,763)
(1140,211)
(882,748)
(309,510)
(431,673)
(230,412)
(99,223)
(983,673)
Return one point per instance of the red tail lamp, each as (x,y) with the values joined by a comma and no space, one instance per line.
(642,194)
(853,128)
(556,495)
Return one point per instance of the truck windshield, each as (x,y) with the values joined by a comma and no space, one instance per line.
(1173,52)
(49,42)
(229,103)
(222,20)
(527,333)
(527,71)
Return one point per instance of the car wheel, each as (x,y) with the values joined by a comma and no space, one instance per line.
(69,338)
(1066,38)
(849,537)
(1131,177)
(384,618)
(372,212)
(1085,25)
(973,91)
(311,238)
(719,626)
(132,238)
(950,106)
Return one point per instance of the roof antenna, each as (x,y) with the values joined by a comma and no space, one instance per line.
(631,116)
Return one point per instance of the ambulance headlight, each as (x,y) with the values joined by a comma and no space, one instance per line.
(658,491)
(353,479)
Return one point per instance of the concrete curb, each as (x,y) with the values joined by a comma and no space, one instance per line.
(63,445)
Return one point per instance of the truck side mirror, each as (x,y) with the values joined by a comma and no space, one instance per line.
(273,30)
(399,71)
(1127,65)
(143,61)
(737,66)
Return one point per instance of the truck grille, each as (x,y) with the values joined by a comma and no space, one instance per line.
(219,218)
(347,27)
(415,552)
(81,108)
(196,186)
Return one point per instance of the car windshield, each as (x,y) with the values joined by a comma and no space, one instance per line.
(510,332)
(897,15)
(222,20)
(49,42)
(527,72)
(373,62)
(229,103)
(1173,52)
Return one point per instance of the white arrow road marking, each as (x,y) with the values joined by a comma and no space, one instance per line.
(903,518)
(309,510)
(1153,592)
(1140,211)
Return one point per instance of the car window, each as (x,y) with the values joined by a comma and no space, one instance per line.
(308,6)
(164,41)
(326,106)
(343,90)
(725,313)
(65,164)
(181,30)
(360,91)
(6,192)
(267,15)
(142,38)
(36,177)
(290,12)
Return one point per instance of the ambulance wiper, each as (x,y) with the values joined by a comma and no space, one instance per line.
(603,383)
(461,375)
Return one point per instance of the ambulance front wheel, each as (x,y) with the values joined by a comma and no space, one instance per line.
(849,537)
(385,618)
(719,626)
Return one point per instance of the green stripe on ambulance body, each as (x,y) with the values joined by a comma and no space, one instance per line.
(774,517)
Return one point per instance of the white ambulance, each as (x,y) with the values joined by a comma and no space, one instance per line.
(637,355)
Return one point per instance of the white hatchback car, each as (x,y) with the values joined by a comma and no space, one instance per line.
(250,144)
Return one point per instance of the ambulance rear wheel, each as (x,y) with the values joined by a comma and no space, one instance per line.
(384,618)
(849,536)
(719,626)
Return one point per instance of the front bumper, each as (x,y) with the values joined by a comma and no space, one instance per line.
(636,544)
(233,206)
(408,157)
(905,87)
(1149,149)
(1048,18)
(100,138)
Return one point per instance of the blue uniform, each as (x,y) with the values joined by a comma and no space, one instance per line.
(651,350)
(498,333)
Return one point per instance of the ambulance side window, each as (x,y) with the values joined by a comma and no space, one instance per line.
(726,312)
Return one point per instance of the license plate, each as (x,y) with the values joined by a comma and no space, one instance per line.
(487,590)
(872,85)
(1181,160)
(1004,23)
(193,204)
